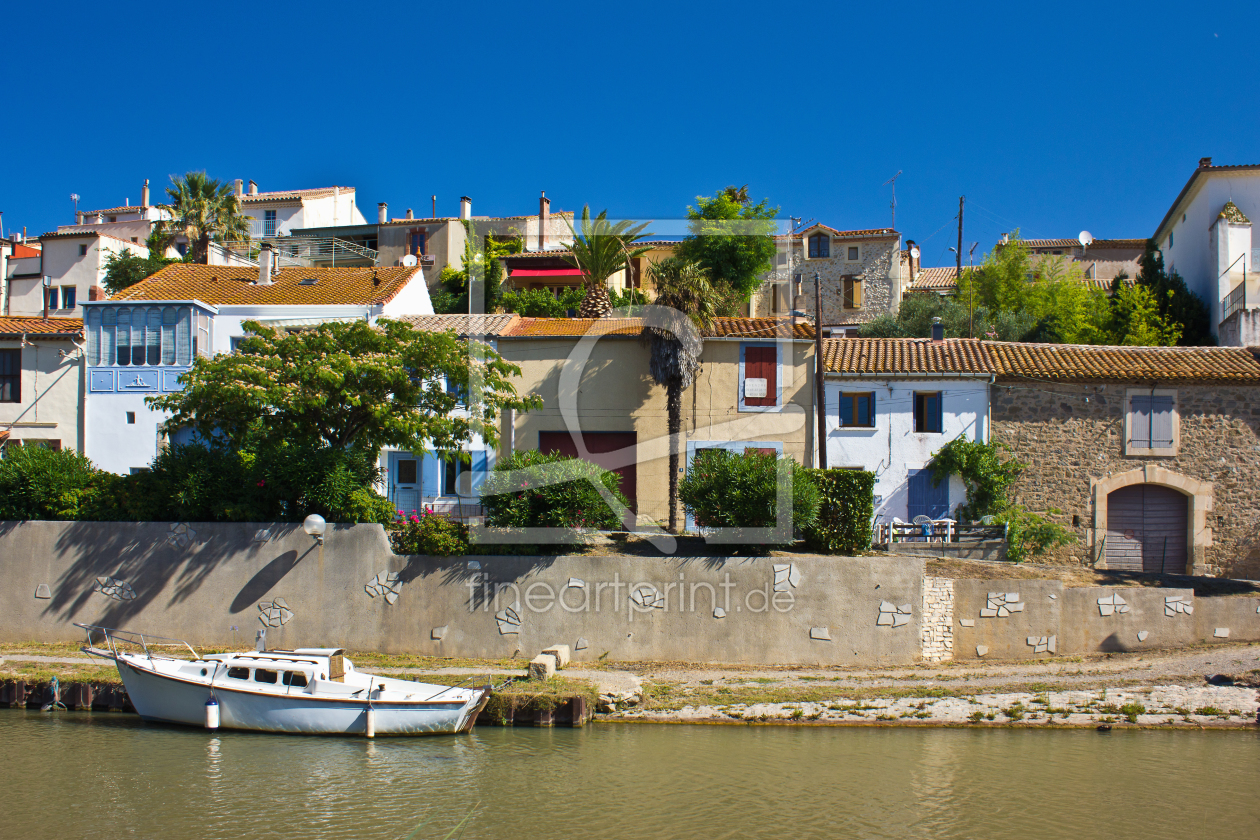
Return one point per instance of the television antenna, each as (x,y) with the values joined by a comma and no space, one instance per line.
(893,183)
(75,198)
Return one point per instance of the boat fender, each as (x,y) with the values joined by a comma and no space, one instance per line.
(370,723)
(212,713)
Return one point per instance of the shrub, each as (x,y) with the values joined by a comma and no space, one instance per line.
(571,502)
(427,533)
(846,509)
(41,483)
(740,490)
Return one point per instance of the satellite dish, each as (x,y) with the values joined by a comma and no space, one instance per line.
(914,252)
(1086,238)
(408,260)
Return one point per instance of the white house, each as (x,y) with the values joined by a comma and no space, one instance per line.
(74,261)
(892,403)
(1206,237)
(279,213)
(41,382)
(139,342)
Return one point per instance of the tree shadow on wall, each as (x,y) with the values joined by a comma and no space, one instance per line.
(148,558)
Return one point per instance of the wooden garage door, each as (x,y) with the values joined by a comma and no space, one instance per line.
(600,445)
(1146,529)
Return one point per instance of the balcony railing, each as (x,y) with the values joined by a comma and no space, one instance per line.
(1236,300)
(301,251)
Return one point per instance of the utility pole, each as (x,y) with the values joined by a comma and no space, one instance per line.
(819,372)
(893,182)
(958,273)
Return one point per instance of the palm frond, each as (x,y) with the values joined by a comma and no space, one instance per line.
(603,248)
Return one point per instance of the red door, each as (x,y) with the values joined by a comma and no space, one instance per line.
(611,450)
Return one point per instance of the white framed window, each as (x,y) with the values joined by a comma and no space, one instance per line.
(853,253)
(1152,423)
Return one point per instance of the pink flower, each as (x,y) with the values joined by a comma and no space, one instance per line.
(261,482)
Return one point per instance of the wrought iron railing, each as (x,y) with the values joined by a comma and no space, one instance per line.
(1236,300)
(302,251)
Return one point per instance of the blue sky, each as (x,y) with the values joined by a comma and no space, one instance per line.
(1049,117)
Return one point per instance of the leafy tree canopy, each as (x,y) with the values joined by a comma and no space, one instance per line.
(346,385)
(732,238)
(127,269)
(452,297)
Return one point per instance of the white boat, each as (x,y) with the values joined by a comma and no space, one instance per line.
(313,691)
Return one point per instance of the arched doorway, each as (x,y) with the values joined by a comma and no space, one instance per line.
(1147,529)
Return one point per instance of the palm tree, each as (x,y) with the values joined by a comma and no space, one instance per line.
(603,249)
(675,357)
(205,209)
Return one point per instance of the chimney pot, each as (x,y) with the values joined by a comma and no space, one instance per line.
(465,208)
(144,194)
(938,331)
(410,215)
(382,213)
(239,187)
(253,188)
(78,218)
(266,264)
(1205,162)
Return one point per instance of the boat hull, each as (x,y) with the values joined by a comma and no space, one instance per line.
(158,697)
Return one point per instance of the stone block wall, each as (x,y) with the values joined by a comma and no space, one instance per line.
(1072,437)
(938,619)
(875,268)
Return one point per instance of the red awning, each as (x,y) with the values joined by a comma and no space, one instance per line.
(546,272)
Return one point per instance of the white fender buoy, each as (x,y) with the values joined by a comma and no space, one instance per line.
(212,713)
(370,725)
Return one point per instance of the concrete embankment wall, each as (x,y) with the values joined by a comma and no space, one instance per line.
(216,584)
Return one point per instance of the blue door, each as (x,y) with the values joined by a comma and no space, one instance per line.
(926,500)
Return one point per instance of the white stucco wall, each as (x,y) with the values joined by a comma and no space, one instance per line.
(111,442)
(51,387)
(892,449)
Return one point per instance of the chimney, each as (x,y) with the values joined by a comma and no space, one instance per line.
(938,331)
(78,218)
(1205,162)
(409,214)
(544,220)
(434,213)
(465,207)
(915,262)
(253,188)
(382,213)
(144,194)
(240,187)
(266,263)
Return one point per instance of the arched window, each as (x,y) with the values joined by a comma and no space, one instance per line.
(819,246)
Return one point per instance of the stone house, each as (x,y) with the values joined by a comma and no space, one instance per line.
(1148,453)
(860,275)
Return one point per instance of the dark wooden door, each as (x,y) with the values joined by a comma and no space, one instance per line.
(1147,529)
(607,449)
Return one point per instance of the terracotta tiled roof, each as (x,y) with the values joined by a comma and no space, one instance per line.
(935,279)
(900,356)
(133,208)
(533,255)
(1056,362)
(1096,244)
(491,325)
(223,285)
(18,325)
(281,195)
(443,219)
(20,251)
(722,328)
(856,234)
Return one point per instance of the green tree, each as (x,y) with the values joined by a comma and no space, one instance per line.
(601,250)
(204,209)
(453,295)
(41,483)
(569,500)
(740,490)
(1136,320)
(126,269)
(675,353)
(345,386)
(540,303)
(1178,306)
(733,240)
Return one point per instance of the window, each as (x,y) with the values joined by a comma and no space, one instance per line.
(263,675)
(269,223)
(459,392)
(307,281)
(760,385)
(11,375)
(113,218)
(69,298)
(182,247)
(294,678)
(1170,239)
(781,258)
(819,246)
(853,252)
(857,408)
(135,239)
(131,418)
(451,469)
(416,243)
(1151,422)
(852,289)
(83,250)
(154,335)
(927,412)
(54,297)
(407,471)
(926,497)
(238,673)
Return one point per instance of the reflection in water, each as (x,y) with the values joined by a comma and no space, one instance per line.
(83,775)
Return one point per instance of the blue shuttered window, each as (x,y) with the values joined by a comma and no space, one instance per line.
(926,500)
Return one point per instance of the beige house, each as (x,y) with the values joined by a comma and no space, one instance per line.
(754,391)
(41,382)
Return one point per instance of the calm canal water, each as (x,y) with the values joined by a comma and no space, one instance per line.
(111,776)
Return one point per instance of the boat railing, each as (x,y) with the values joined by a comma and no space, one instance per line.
(113,638)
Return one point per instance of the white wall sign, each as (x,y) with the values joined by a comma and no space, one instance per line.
(754,388)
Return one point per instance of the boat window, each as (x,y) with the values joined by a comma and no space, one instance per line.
(238,673)
(261,675)
(295,678)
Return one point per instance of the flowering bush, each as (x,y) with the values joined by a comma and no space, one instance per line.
(571,502)
(424,532)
